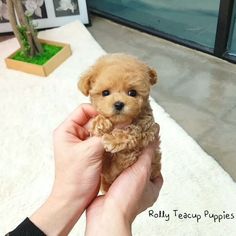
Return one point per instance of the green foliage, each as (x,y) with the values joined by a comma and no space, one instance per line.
(32,25)
(23,36)
(40,59)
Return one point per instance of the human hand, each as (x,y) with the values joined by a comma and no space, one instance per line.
(78,163)
(131,193)
(78,157)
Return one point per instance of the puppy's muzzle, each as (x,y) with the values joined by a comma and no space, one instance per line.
(119,106)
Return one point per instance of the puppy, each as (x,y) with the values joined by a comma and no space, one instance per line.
(119,86)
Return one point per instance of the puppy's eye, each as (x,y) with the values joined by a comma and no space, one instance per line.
(105,93)
(132,93)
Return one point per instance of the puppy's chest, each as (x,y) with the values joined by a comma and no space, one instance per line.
(131,138)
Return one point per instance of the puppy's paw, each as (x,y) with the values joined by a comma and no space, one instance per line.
(112,144)
(100,126)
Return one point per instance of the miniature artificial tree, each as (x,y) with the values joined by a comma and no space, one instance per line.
(35,56)
(23,29)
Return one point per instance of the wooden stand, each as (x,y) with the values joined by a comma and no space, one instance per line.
(41,70)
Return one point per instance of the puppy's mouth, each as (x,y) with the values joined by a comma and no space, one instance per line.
(120,118)
(119,114)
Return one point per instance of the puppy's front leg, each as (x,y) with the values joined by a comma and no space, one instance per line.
(121,139)
(100,126)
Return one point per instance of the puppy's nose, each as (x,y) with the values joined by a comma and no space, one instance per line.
(119,105)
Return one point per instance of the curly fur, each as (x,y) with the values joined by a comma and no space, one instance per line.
(127,130)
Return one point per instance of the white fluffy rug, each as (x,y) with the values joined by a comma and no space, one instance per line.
(31,107)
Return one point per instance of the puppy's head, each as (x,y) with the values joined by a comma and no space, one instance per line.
(118,86)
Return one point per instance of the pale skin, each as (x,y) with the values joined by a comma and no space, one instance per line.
(78,163)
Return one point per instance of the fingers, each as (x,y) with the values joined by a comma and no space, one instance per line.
(82,114)
(156,186)
(142,169)
(144,161)
(75,124)
(158,182)
(93,147)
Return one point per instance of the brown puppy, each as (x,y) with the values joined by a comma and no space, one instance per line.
(119,86)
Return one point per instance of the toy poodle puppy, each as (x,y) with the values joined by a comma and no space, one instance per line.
(119,86)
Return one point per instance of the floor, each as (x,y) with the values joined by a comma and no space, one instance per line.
(185,19)
(197,90)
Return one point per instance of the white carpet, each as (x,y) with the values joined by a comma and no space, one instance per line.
(31,107)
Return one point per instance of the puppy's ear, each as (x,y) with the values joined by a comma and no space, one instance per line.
(152,76)
(84,84)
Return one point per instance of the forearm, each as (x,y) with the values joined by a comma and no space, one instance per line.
(57,216)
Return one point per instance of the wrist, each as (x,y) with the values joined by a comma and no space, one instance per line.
(107,220)
(118,223)
(123,213)
(58,215)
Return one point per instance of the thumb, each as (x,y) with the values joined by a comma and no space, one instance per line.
(145,159)
(93,147)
